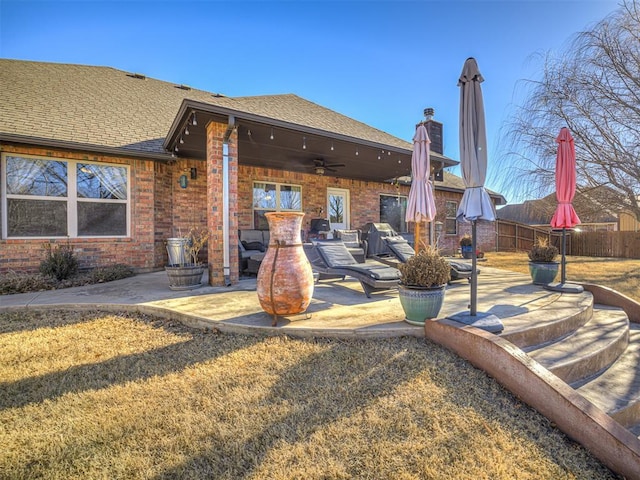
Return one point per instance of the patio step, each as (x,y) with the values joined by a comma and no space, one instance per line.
(559,316)
(617,390)
(588,350)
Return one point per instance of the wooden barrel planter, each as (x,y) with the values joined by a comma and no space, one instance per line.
(185,277)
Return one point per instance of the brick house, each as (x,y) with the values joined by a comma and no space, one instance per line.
(115,163)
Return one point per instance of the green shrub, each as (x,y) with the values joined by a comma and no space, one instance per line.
(60,262)
(13,282)
(110,273)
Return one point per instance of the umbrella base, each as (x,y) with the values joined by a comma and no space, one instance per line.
(564,287)
(485,321)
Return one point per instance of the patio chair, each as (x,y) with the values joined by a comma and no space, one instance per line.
(402,252)
(331,259)
(352,239)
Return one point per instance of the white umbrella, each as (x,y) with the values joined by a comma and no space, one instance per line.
(420,205)
(475,204)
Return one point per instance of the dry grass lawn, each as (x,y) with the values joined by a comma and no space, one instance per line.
(96,396)
(619,274)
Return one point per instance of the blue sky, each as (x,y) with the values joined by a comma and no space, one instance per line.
(380,62)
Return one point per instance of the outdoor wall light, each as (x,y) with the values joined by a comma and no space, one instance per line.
(183,181)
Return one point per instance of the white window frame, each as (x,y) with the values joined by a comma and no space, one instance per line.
(278,185)
(450,218)
(71,199)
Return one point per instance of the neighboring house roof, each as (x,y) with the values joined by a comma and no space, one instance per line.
(451,182)
(539,212)
(106,107)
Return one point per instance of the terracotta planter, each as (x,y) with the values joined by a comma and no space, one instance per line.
(285,278)
(421,303)
(543,273)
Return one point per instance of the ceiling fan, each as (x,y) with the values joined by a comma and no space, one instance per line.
(320,166)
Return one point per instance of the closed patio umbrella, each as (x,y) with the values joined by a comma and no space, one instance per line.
(565,216)
(475,204)
(420,205)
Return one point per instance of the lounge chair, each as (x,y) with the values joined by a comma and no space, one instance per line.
(402,252)
(331,259)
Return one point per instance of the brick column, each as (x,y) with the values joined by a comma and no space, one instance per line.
(215,137)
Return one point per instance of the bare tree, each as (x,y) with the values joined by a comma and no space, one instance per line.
(594,90)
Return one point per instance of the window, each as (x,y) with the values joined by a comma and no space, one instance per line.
(57,198)
(450,223)
(274,197)
(392,211)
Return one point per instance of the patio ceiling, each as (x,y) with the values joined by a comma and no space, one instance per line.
(275,144)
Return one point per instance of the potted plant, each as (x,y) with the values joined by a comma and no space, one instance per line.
(542,264)
(422,288)
(466,246)
(185,270)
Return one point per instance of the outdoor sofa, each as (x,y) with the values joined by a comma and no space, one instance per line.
(331,259)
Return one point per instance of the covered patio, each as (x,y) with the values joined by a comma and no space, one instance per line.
(306,148)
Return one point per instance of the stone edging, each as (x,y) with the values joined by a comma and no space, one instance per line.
(612,444)
(608,296)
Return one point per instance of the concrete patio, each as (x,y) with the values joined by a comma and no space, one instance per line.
(338,308)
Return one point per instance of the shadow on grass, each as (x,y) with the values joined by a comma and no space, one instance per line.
(321,394)
(116,371)
(25,320)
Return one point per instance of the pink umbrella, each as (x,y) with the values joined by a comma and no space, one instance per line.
(420,205)
(565,216)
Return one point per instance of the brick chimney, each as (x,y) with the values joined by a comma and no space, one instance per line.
(434,130)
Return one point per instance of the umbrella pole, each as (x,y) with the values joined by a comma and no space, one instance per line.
(474,275)
(417,239)
(563,275)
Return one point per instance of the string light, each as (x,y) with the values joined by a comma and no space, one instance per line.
(332,145)
(304,143)
(193,121)
(186,130)
(356,151)
(271,137)
(181,140)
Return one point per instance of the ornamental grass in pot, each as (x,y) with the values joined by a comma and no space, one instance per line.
(466,246)
(542,262)
(422,288)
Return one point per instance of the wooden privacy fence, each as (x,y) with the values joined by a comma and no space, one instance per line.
(513,236)
(517,236)
(606,244)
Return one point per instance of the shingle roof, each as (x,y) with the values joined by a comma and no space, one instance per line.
(453,182)
(539,212)
(103,106)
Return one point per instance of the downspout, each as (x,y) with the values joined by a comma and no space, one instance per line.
(225,200)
